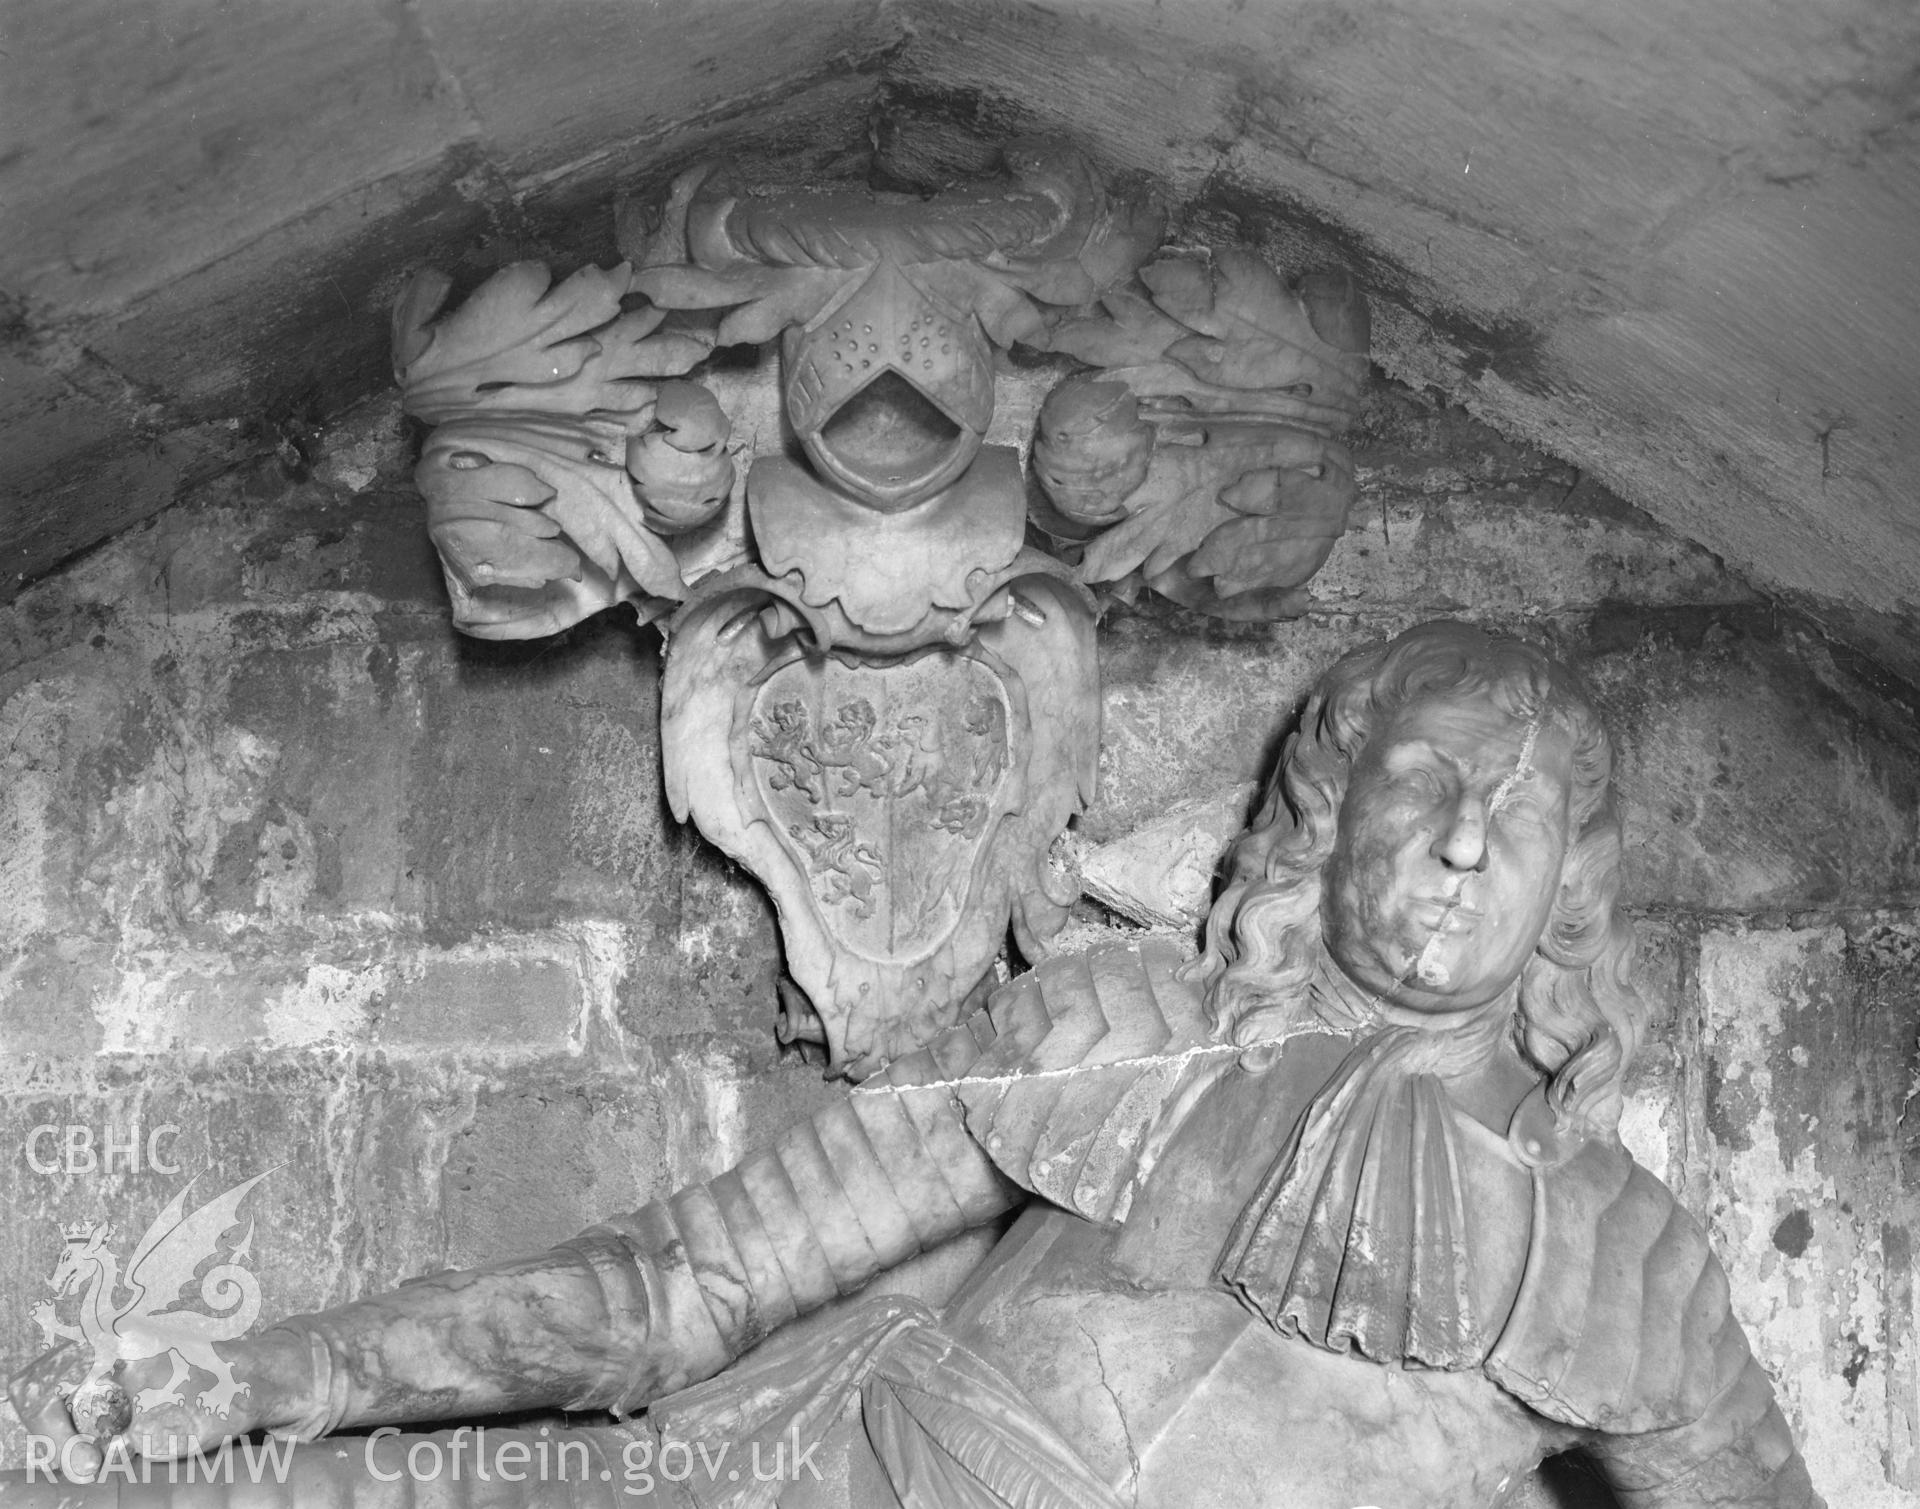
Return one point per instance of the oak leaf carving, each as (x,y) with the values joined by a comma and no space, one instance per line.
(1235,525)
(520,501)
(761,300)
(1242,379)
(520,341)
(1225,331)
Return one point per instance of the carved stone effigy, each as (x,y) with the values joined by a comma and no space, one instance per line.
(880,695)
(1338,1215)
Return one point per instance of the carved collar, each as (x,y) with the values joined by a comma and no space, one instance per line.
(1358,1238)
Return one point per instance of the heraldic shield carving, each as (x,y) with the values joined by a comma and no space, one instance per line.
(881,691)
(899,810)
(889,773)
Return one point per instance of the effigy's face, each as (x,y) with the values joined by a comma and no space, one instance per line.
(1452,837)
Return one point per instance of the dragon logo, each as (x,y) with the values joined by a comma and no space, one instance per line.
(145,1324)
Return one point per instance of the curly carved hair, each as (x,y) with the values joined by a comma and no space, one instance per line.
(1579,1019)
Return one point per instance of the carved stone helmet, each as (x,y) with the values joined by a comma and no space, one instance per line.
(890,390)
(889,305)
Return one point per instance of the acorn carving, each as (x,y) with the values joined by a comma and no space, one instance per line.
(680,464)
(1092,450)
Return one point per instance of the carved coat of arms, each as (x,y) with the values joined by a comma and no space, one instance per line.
(881,693)
(869,793)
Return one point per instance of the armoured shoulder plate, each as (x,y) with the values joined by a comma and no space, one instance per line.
(1622,1322)
(1074,1096)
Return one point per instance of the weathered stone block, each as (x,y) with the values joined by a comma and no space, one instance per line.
(549,1151)
(44,1009)
(541,1158)
(366,446)
(371,552)
(502,759)
(99,475)
(1162,875)
(293,322)
(1654,1122)
(706,955)
(488,1005)
(1507,555)
(70,726)
(1746,781)
(546,94)
(1190,706)
(46,422)
(118,112)
(1810,1039)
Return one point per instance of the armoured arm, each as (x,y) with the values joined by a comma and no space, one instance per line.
(1738,1452)
(651,1302)
(1624,1327)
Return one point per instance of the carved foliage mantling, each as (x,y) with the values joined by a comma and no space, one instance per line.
(1204,455)
(1045,233)
(548,414)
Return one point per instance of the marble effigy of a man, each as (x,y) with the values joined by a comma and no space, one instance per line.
(1337,1215)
